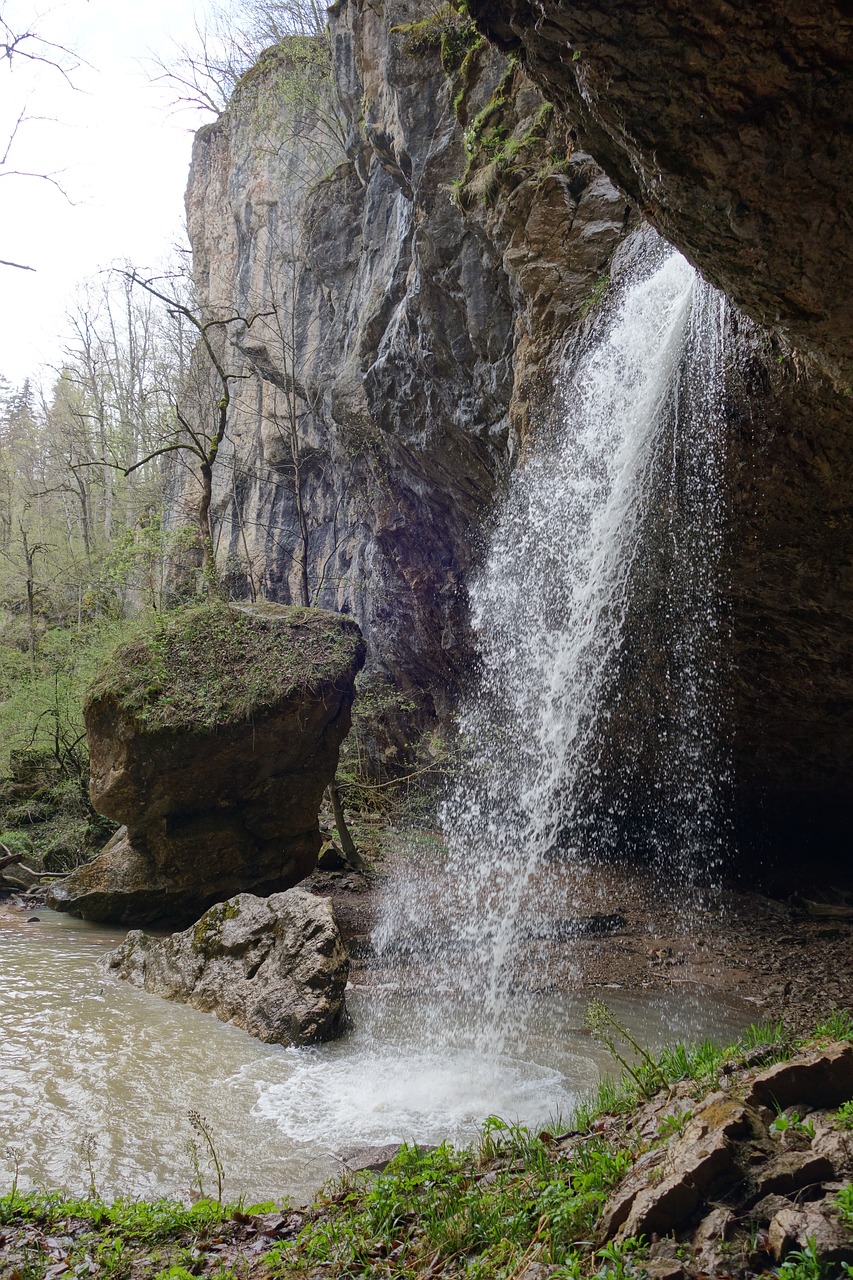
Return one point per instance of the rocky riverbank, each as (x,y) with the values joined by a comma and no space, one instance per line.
(708,1163)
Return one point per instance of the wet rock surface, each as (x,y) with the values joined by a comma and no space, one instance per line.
(274,966)
(218,782)
(737,1189)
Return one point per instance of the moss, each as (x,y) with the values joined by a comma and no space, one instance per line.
(596,295)
(206,930)
(294,51)
(213,665)
(448,31)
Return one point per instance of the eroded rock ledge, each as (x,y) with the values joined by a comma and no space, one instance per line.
(212,739)
(729,125)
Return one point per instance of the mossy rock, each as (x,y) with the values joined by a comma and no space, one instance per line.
(216,665)
(212,738)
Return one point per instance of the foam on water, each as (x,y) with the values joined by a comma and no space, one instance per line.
(379,1096)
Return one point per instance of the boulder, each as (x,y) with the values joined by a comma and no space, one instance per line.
(795,1227)
(703,1156)
(274,966)
(822,1078)
(212,739)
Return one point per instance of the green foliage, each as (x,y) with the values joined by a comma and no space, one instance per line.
(448,30)
(619,1258)
(802,1264)
(143,1221)
(139,557)
(595,297)
(838,1025)
(43,709)
(844,1205)
(792,1122)
(647,1074)
(211,664)
(433,1205)
(844,1116)
(673,1125)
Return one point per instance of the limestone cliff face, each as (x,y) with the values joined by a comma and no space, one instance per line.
(385,396)
(410,299)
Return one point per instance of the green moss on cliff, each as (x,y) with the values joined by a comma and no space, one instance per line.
(448,30)
(214,665)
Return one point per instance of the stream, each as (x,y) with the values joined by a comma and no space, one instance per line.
(93,1064)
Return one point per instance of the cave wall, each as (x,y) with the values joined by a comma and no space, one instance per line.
(730,126)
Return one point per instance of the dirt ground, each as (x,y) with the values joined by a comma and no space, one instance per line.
(768,957)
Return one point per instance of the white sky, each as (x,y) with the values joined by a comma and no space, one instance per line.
(123,159)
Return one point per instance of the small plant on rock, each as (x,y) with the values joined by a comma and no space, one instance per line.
(844,1205)
(844,1116)
(674,1125)
(802,1264)
(792,1122)
(620,1257)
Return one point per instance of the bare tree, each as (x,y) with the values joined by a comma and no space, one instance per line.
(27,48)
(201,424)
(204,72)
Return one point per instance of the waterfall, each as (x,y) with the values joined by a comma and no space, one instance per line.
(593,727)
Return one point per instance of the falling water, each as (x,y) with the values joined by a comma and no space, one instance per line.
(593,729)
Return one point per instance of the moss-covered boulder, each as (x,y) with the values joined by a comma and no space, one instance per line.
(211,738)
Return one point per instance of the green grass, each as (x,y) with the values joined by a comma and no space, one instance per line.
(116,1239)
(479,1207)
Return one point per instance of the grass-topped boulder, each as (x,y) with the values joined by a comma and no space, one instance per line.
(212,736)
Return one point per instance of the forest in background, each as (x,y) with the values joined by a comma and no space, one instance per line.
(105,465)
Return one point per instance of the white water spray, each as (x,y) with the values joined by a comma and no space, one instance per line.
(593,727)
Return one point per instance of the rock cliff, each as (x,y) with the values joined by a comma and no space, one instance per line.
(416,252)
(388,390)
(728,124)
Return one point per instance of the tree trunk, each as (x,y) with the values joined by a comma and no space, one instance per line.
(208,560)
(31,629)
(348,848)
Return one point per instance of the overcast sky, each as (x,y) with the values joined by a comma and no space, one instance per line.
(119,153)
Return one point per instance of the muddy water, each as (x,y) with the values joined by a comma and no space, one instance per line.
(89,1063)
